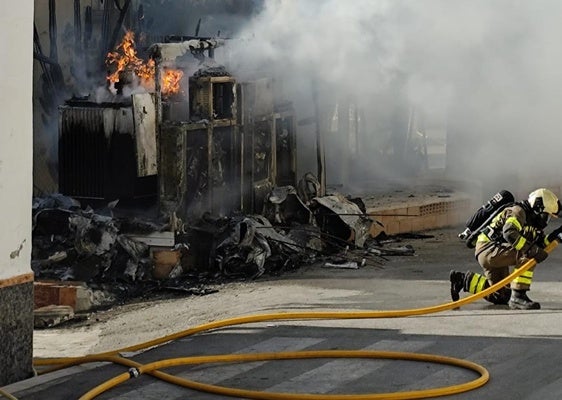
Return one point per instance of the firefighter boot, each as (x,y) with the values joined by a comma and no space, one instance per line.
(520,301)
(457,283)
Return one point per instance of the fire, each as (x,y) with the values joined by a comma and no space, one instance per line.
(125,60)
(171,80)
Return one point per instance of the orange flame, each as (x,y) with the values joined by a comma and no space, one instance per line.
(125,59)
(171,79)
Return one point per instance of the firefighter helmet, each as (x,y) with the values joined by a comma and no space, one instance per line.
(544,201)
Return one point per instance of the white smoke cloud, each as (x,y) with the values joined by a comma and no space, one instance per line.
(492,69)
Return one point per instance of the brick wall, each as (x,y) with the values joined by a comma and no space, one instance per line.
(412,216)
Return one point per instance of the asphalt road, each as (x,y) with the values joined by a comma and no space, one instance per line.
(522,350)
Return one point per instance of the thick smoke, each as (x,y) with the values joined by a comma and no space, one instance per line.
(489,72)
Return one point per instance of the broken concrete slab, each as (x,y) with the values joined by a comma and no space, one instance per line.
(52,315)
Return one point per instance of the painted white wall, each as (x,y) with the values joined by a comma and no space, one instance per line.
(16,146)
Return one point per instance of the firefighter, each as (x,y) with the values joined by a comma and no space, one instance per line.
(513,236)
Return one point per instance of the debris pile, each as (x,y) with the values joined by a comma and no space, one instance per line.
(131,256)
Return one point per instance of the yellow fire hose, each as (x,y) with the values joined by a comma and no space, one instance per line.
(7,395)
(136,369)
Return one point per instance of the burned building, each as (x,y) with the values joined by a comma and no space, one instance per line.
(212,145)
(169,135)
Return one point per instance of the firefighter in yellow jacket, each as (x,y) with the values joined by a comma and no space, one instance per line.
(512,237)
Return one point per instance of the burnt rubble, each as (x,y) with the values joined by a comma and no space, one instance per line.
(129,256)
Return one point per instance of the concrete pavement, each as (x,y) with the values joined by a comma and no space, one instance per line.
(521,350)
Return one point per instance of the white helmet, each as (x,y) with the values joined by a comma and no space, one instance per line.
(544,201)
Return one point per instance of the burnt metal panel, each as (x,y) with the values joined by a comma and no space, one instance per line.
(212,98)
(262,143)
(225,169)
(98,153)
(199,169)
(258,97)
(173,170)
(285,148)
(144,119)
(257,143)
(83,152)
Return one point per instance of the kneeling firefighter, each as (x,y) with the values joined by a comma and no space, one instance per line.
(513,236)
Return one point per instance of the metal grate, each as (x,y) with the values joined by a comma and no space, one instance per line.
(83,152)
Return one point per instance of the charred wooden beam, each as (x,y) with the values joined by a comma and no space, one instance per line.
(53,30)
(77,28)
(320,157)
(122,13)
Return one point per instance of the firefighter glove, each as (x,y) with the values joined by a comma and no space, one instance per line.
(537,253)
(555,235)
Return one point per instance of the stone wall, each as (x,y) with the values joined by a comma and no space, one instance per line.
(16,163)
(16,329)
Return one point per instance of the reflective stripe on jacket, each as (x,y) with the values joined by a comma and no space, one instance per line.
(510,226)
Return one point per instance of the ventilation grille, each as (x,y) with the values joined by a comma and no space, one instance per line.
(83,152)
(444,207)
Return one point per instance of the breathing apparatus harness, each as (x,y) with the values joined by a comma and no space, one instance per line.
(493,232)
(534,215)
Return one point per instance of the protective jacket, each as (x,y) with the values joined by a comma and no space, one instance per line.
(518,226)
(513,236)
